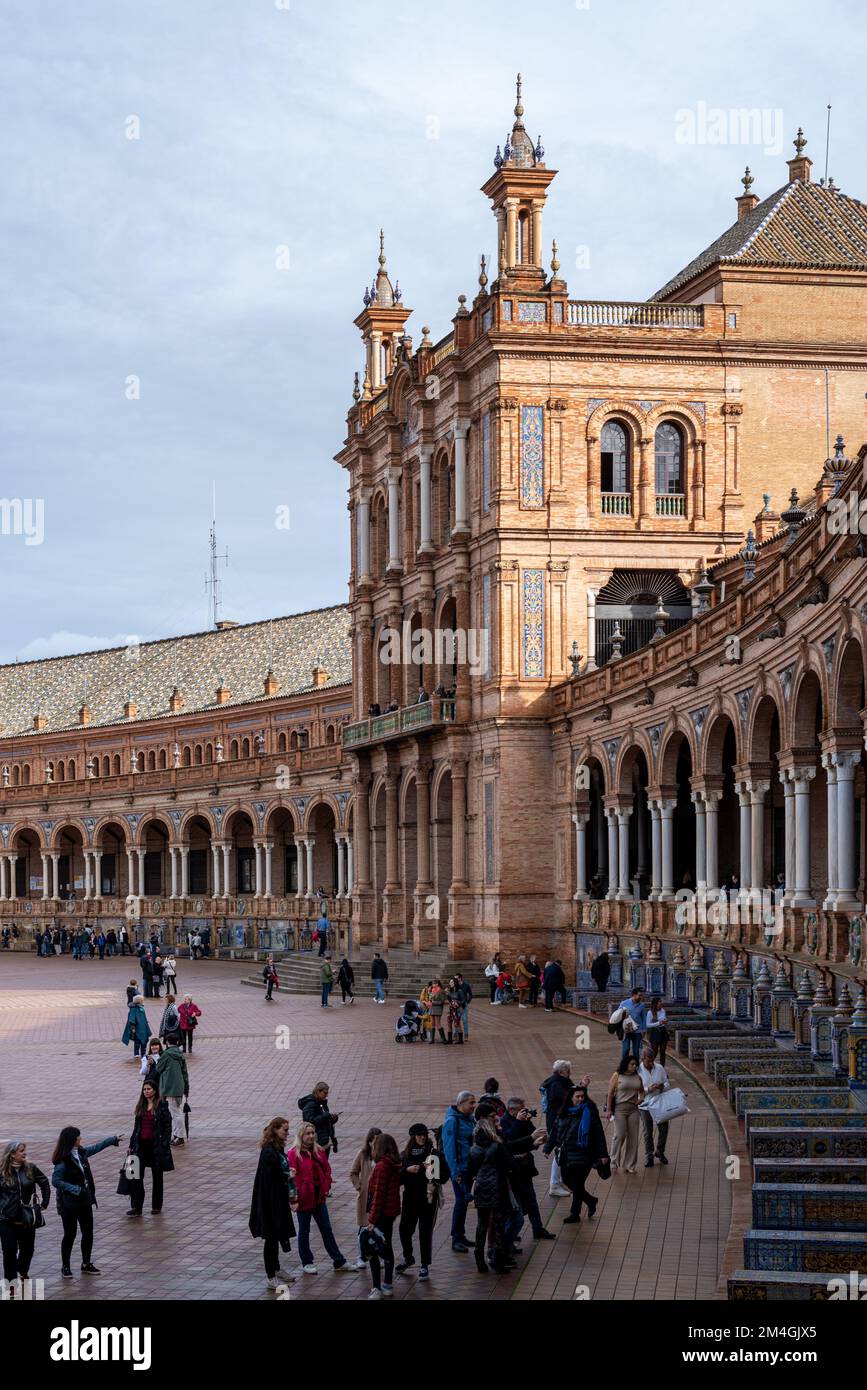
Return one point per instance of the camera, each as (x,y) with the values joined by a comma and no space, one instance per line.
(531,1114)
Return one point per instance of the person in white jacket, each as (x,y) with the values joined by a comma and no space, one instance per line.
(654,1079)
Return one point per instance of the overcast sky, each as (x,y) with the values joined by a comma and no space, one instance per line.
(308,124)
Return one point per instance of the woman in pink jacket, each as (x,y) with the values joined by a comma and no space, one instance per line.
(312,1174)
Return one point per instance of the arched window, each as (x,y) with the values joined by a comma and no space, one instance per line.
(281,743)
(293,741)
(197,755)
(116,767)
(26,774)
(209,752)
(233,749)
(329,733)
(669,460)
(152,761)
(245,748)
(61,771)
(187,759)
(616,462)
(16,776)
(163,760)
(106,767)
(70,770)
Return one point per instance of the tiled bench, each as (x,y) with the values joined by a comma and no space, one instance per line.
(809,1207)
(787,1143)
(769,1286)
(792,1093)
(740,1046)
(836,1252)
(806,1116)
(697,1030)
(771,1064)
(836,1172)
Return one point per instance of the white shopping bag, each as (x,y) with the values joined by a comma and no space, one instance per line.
(556,1177)
(663,1106)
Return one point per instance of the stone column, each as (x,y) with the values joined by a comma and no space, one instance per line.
(666,813)
(697,800)
(87,879)
(362,519)
(613,858)
(173,854)
(580,822)
(461,429)
(141,872)
(422,829)
(361,828)
(511,231)
(97,874)
(757,832)
(257,851)
(640,838)
(746,838)
(425,455)
(46,881)
(350,881)
(655,852)
(801,779)
(309,844)
(591,629)
(537,234)
(829,764)
(12,860)
(338,840)
(55,862)
(711,811)
(376,359)
(215,869)
(227,850)
(847,855)
(4,896)
(789,809)
(394,559)
(269,868)
(624,891)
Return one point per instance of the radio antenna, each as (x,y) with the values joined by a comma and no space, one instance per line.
(213,583)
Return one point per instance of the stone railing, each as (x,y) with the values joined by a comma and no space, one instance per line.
(616,504)
(410,719)
(620,314)
(441,350)
(670,504)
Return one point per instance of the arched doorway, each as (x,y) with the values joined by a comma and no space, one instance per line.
(112,870)
(321,827)
(630,599)
(280,830)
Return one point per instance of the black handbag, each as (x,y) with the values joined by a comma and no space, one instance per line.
(32,1216)
(124,1186)
(603,1168)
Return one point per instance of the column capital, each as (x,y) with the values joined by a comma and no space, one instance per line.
(758,789)
(846,764)
(394,475)
(461,427)
(665,805)
(580,817)
(425,453)
(801,777)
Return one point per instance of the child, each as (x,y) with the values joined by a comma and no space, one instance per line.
(425,1018)
(132,990)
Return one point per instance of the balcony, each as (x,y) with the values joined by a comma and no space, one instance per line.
(671,504)
(616,504)
(620,314)
(432,714)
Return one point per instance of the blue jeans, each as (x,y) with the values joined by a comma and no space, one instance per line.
(512,1227)
(379,991)
(465,1016)
(632,1040)
(459,1214)
(323,1221)
(326,990)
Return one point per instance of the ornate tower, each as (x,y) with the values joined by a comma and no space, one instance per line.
(517,191)
(381,324)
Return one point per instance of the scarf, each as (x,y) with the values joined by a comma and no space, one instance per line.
(584,1123)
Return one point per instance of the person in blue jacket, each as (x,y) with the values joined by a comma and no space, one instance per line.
(76,1194)
(137,1030)
(457,1140)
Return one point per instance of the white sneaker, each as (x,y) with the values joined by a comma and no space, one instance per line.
(374,1296)
(522,1006)
(309,1269)
(285,1278)
(387,1290)
(273,1284)
(559,1190)
(360,1263)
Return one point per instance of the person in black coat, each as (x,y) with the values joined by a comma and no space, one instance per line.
(553,983)
(151,1142)
(346,979)
(556,1088)
(489,1168)
(315,1112)
(76,1194)
(421,1200)
(18,1183)
(147,974)
(580,1141)
(522,1137)
(600,970)
(273,1190)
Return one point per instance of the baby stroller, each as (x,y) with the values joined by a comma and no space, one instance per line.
(506,992)
(409,1024)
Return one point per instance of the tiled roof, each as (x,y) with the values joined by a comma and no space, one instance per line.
(802,224)
(238,657)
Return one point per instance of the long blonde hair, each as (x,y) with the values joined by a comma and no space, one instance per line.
(6,1161)
(301,1130)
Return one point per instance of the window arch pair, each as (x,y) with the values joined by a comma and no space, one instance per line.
(616,459)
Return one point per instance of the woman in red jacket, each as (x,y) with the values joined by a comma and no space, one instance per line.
(189,1014)
(383,1209)
(311,1171)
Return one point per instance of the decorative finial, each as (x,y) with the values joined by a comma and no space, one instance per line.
(747,180)
(748,555)
(507,149)
(575,659)
(662,618)
(555,264)
(498,158)
(799,142)
(397,291)
(356,393)
(382,248)
(483,278)
(617,640)
(425,337)
(366,297)
(539,151)
(766,498)
(462,304)
(519,109)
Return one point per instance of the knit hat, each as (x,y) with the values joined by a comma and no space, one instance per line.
(418,1131)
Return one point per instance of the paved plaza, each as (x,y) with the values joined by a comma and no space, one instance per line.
(658,1234)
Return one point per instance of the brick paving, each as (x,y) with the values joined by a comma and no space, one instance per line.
(658,1234)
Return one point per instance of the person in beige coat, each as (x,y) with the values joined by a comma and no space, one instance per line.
(359,1176)
(625,1094)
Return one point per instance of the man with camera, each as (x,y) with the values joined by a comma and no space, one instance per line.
(522,1137)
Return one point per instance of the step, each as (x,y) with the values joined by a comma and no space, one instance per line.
(777,1078)
(785,1144)
(730,1043)
(701,1029)
(793,1206)
(775,1286)
(840,1171)
(834,1095)
(766,1064)
(842,1117)
(804,1251)
(739,1049)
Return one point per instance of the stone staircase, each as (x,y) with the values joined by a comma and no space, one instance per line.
(807,1137)
(408,973)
